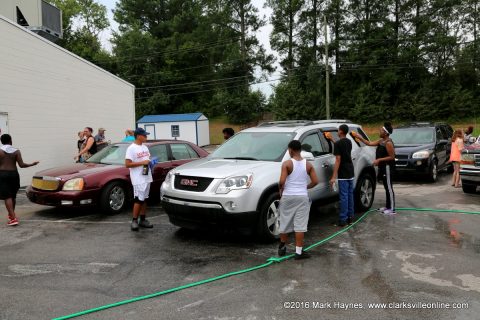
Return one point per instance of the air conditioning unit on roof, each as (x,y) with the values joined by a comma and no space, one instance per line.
(38,16)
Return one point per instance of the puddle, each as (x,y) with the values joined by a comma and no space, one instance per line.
(19,270)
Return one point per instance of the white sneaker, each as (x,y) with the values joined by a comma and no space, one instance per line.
(389,212)
(382,209)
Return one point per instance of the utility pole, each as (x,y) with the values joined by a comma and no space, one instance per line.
(327,76)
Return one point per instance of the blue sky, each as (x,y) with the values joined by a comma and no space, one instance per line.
(263,35)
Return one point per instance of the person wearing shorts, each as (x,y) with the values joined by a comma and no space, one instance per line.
(9,178)
(137,159)
(294,200)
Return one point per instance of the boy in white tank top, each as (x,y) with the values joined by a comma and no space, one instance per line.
(294,201)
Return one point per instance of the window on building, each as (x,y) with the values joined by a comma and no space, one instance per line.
(175,131)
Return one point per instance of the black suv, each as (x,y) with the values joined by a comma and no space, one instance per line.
(423,148)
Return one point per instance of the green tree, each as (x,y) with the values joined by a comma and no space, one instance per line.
(83,21)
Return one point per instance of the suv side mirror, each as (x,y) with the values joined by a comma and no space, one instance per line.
(307,155)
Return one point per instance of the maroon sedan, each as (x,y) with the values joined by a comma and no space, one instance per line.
(103,180)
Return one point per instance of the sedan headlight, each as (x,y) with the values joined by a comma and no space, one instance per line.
(424,154)
(235,183)
(74,185)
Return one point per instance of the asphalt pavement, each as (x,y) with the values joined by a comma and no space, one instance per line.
(59,262)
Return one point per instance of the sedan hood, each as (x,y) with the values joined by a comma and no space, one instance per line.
(76,170)
(223,168)
(409,149)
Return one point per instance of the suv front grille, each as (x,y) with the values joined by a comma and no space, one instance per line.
(195,184)
(401,159)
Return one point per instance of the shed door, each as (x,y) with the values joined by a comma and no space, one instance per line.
(3,123)
(151,129)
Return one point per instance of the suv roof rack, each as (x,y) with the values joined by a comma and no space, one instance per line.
(332,121)
(287,123)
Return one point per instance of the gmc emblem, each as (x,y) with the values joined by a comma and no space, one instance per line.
(189,182)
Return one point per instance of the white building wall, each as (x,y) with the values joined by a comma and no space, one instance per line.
(51,94)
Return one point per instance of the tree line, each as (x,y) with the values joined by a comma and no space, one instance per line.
(395,59)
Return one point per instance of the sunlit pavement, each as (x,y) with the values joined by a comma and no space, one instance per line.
(60,262)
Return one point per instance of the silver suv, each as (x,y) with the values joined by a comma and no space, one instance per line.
(237,184)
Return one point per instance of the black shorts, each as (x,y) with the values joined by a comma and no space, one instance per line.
(9,184)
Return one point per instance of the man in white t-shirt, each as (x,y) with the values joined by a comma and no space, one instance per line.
(137,159)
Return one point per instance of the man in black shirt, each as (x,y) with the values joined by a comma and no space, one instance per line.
(344,173)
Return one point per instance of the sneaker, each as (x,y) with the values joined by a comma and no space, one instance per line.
(144,223)
(282,249)
(382,209)
(389,212)
(12,222)
(134,225)
(350,220)
(339,223)
(303,255)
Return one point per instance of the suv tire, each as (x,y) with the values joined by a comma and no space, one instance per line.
(469,188)
(433,171)
(269,220)
(364,192)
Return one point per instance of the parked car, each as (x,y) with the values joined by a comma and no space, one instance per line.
(423,149)
(104,180)
(470,168)
(237,185)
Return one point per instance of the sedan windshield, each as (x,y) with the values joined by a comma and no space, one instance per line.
(113,154)
(413,136)
(265,146)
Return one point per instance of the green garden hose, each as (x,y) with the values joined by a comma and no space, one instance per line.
(270,261)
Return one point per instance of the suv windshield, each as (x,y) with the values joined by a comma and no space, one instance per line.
(113,154)
(413,136)
(265,146)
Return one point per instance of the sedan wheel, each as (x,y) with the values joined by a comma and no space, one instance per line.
(117,198)
(113,198)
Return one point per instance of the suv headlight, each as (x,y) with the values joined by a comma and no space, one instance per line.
(169,177)
(235,183)
(74,185)
(424,154)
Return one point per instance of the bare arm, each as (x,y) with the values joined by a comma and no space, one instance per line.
(130,164)
(22,164)
(335,169)
(313,176)
(283,176)
(365,141)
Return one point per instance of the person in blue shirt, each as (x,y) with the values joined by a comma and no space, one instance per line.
(128,136)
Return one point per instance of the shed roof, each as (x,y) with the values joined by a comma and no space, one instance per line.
(171,117)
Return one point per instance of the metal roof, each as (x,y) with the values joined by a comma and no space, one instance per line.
(170,117)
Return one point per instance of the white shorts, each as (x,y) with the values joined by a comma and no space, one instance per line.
(141,191)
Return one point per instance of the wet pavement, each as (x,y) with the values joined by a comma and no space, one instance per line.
(59,262)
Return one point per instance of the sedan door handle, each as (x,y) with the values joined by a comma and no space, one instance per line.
(325,165)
